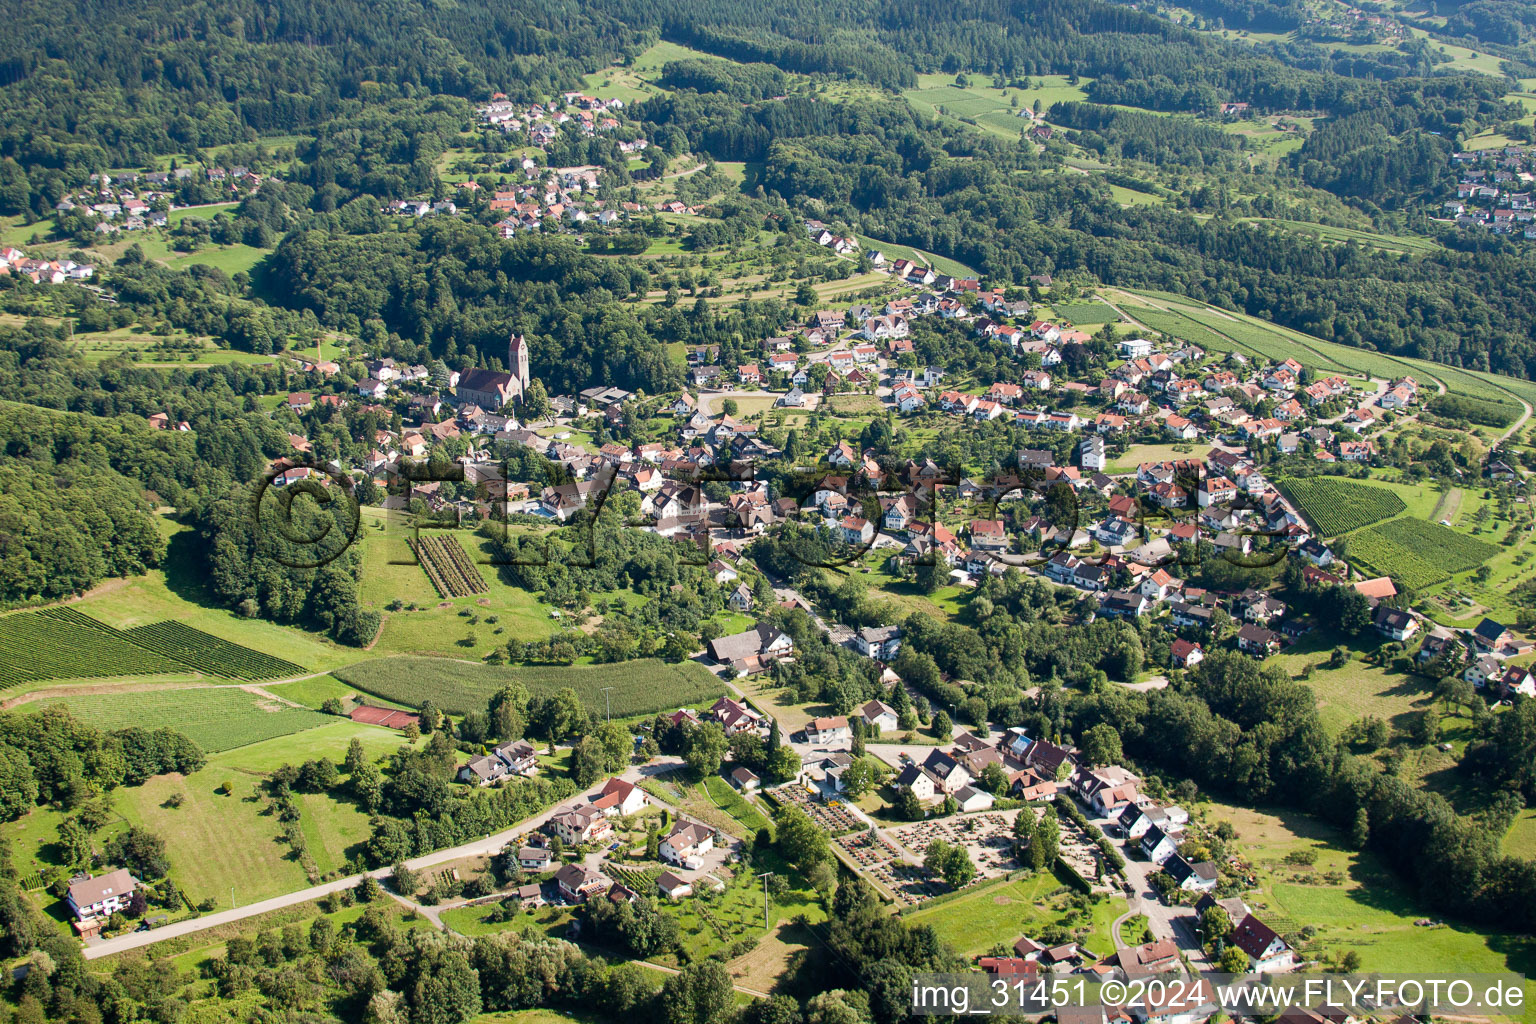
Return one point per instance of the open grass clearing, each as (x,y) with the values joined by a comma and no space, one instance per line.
(635,687)
(1354,902)
(1000,913)
(216,718)
(894,251)
(1356,688)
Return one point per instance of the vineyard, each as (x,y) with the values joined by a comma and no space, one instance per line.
(1338,506)
(1087,313)
(61,643)
(448,566)
(215,718)
(638,687)
(1418,553)
(208,653)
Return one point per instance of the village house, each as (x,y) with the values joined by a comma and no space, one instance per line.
(94,899)
(686,844)
(831,729)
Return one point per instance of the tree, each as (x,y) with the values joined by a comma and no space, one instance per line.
(943,728)
(405,880)
(1426,728)
(994,779)
(931,576)
(729,407)
(859,777)
(802,842)
(783,764)
(535,403)
(1233,961)
(706,749)
(140,851)
(558,716)
(332,706)
(1215,926)
(702,993)
(1101,745)
(908,805)
(950,862)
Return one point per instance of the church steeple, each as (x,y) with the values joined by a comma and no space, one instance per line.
(517,363)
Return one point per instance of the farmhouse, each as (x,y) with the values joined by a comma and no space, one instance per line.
(618,798)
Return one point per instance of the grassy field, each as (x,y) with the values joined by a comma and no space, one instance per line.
(638,687)
(1087,312)
(993,110)
(892,251)
(1355,689)
(249,857)
(713,801)
(1223,330)
(471,921)
(1520,840)
(1001,913)
(1133,197)
(176,592)
(711,923)
(232,259)
(316,690)
(391,573)
(1339,235)
(1136,454)
(1355,903)
(215,718)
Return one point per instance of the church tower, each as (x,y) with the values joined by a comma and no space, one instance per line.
(517,363)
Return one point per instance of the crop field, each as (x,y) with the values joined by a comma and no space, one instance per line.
(216,718)
(1338,506)
(1417,553)
(449,568)
(1185,329)
(1452,551)
(1087,313)
(639,687)
(1376,554)
(61,643)
(208,653)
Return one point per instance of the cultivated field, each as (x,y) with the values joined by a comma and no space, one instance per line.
(208,653)
(638,687)
(1418,553)
(1338,506)
(61,643)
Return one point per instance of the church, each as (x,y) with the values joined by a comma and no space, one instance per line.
(492,390)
